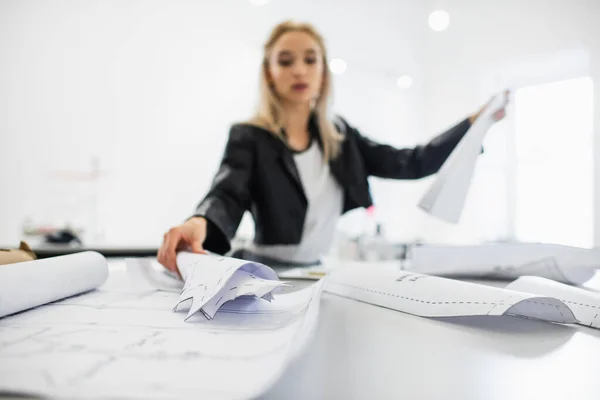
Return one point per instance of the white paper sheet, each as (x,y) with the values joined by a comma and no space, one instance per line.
(446,196)
(584,304)
(211,281)
(119,344)
(430,296)
(507,261)
(147,275)
(32,283)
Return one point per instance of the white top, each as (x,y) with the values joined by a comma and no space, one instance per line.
(325,202)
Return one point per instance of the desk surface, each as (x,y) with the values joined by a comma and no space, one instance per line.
(362,351)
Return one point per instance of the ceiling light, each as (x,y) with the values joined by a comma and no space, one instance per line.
(337,66)
(439,20)
(404,82)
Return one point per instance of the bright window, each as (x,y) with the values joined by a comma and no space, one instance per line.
(554,172)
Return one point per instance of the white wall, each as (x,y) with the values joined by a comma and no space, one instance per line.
(135,84)
(150,89)
(488,46)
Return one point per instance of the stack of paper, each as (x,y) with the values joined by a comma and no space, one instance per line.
(446,196)
(507,261)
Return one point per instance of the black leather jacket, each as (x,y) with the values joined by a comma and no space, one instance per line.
(258,173)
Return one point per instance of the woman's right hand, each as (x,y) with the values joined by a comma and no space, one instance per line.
(190,235)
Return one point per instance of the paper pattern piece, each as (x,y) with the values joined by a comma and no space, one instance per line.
(446,196)
(584,304)
(115,342)
(32,283)
(430,296)
(565,264)
(211,281)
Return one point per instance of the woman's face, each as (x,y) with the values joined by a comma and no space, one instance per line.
(295,68)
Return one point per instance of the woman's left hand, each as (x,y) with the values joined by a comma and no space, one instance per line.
(498,115)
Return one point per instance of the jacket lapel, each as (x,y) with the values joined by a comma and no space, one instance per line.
(290,165)
(286,158)
(337,170)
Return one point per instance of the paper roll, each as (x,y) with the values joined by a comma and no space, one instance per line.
(32,283)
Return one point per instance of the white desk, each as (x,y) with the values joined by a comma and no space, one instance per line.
(365,352)
(362,351)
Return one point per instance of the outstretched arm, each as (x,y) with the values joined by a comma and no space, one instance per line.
(413,163)
(408,163)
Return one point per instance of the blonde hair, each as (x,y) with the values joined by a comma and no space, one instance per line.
(270,112)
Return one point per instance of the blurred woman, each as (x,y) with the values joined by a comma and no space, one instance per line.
(295,169)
